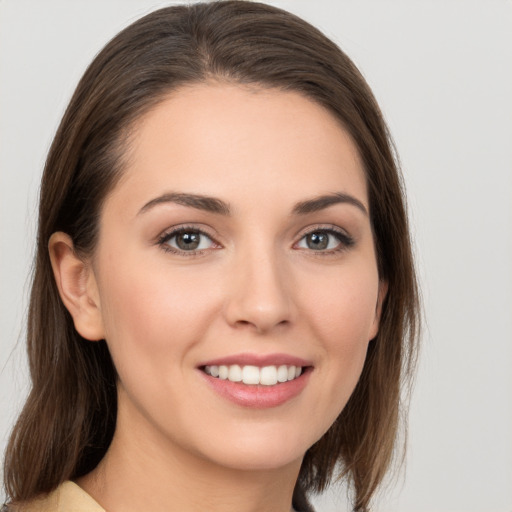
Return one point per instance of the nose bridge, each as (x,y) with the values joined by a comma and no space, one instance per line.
(259,289)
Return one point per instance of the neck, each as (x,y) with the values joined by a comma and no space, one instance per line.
(143,473)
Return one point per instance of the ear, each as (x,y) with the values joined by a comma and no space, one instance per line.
(77,287)
(381,296)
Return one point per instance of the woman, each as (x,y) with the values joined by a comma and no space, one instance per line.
(224,303)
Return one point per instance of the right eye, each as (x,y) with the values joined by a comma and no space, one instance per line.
(186,240)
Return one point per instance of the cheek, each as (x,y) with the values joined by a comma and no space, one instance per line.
(342,313)
(343,308)
(152,315)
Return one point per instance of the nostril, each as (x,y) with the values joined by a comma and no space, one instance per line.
(260,326)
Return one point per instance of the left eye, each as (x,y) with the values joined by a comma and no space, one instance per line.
(320,241)
(188,240)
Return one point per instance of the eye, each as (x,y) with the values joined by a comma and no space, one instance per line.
(328,240)
(186,240)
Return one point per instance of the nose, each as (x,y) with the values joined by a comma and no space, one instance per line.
(259,296)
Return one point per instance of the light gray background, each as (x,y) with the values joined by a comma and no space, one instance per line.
(442,73)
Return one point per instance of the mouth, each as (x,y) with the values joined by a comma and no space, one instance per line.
(257,381)
(254,375)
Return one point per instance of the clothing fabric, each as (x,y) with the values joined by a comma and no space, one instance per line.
(68,497)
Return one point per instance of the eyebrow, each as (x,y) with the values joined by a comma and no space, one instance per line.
(215,205)
(200,202)
(321,202)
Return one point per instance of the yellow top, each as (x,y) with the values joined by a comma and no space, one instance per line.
(68,497)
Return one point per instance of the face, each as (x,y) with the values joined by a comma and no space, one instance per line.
(237,245)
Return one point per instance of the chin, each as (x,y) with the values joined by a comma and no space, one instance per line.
(270,460)
(260,451)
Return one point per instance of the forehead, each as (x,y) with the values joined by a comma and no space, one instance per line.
(215,138)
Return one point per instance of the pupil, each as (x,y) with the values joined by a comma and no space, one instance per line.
(318,241)
(188,241)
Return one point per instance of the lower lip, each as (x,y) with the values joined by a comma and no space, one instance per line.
(258,396)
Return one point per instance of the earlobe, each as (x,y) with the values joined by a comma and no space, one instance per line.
(77,287)
(381,297)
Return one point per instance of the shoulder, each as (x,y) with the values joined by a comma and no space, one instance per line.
(68,497)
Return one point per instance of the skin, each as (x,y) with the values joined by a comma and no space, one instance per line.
(255,286)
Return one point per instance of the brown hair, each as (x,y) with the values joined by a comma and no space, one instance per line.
(69,418)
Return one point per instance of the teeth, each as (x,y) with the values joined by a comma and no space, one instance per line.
(235,373)
(223,372)
(253,375)
(282,373)
(268,375)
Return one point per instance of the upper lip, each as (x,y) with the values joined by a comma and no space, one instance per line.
(260,360)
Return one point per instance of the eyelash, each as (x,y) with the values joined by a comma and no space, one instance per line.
(345,240)
(169,235)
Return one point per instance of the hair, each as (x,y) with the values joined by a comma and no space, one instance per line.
(69,417)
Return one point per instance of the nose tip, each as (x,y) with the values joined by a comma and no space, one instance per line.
(260,321)
(259,298)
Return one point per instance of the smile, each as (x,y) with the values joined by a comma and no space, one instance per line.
(254,375)
(257,380)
